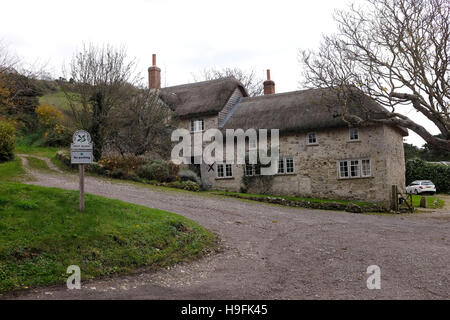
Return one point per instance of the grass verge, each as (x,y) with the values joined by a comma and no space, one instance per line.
(37,164)
(42,233)
(290,198)
(433,202)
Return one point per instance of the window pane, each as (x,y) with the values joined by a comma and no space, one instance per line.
(249,170)
(354,168)
(229,170)
(312,138)
(281,165)
(220,170)
(289,165)
(192,125)
(343,169)
(365,167)
(354,134)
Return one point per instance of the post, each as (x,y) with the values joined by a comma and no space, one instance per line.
(394,198)
(81,169)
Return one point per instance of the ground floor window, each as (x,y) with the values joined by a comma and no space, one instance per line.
(224,170)
(355,168)
(252,170)
(286,165)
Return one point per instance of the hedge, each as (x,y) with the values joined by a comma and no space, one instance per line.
(7,141)
(420,170)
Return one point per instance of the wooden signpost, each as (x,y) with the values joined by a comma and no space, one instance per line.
(81,153)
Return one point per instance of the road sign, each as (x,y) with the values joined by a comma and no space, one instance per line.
(81,156)
(81,153)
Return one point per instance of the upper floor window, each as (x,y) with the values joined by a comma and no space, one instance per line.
(312,138)
(197,125)
(354,134)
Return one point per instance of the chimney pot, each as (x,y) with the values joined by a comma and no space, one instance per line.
(154,75)
(269,85)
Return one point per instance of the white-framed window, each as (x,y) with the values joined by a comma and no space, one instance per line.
(286,165)
(197,125)
(355,168)
(224,170)
(353,134)
(311,138)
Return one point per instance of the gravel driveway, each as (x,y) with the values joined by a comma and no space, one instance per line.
(274,252)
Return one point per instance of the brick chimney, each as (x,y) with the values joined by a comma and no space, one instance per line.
(269,85)
(154,75)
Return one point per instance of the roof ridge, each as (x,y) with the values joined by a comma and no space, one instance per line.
(201,82)
(273,95)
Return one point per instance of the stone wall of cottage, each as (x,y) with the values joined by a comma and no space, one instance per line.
(316,166)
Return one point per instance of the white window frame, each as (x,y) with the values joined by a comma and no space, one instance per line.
(283,161)
(370,168)
(195,127)
(349,165)
(315,138)
(350,136)
(224,170)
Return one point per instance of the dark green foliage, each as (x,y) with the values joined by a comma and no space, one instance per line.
(427,152)
(420,170)
(7,141)
(154,171)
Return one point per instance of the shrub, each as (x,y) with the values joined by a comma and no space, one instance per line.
(154,171)
(190,186)
(189,175)
(421,170)
(7,141)
(128,161)
(49,116)
(59,136)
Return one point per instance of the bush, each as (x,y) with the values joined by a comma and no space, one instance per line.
(189,175)
(128,161)
(421,170)
(154,171)
(7,141)
(190,186)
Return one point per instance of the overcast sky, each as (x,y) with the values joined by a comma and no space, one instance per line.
(187,36)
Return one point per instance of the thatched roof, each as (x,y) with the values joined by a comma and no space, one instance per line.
(299,111)
(201,98)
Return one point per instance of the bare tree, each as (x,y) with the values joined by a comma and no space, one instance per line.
(142,125)
(249,79)
(8,61)
(102,79)
(396,52)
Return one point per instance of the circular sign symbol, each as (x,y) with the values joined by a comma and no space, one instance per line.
(81,137)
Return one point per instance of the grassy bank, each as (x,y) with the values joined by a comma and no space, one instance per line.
(11,170)
(42,233)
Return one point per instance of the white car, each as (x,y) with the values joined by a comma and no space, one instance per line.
(421,186)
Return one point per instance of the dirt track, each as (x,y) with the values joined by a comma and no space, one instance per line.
(274,252)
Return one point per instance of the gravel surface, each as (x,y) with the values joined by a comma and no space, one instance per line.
(274,252)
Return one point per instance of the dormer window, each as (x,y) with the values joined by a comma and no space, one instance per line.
(311,138)
(354,134)
(197,125)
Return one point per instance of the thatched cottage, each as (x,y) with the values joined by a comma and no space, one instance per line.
(321,156)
